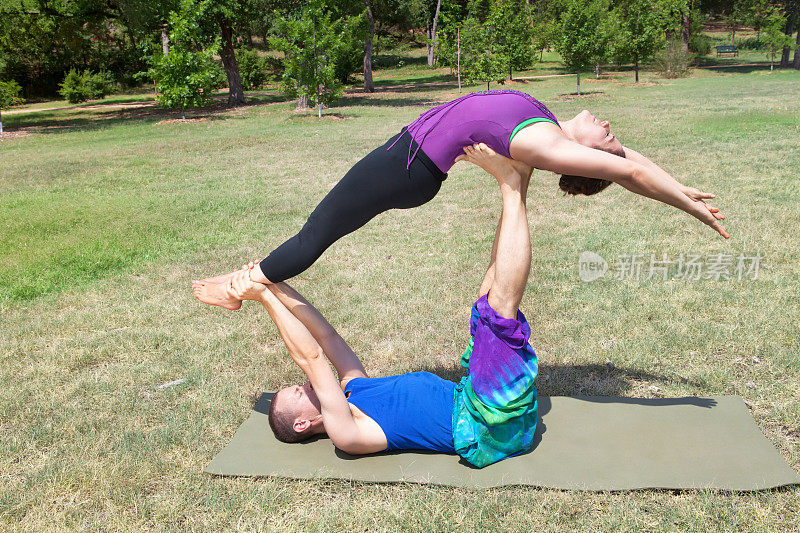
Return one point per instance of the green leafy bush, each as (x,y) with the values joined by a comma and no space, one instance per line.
(9,94)
(699,44)
(188,75)
(313,42)
(184,78)
(672,61)
(252,68)
(79,86)
(750,43)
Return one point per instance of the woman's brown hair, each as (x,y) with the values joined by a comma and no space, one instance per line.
(579,185)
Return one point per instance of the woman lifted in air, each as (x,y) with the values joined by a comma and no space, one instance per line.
(409,169)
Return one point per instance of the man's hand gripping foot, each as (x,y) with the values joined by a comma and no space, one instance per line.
(218,292)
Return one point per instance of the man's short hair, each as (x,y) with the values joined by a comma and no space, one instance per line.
(282,423)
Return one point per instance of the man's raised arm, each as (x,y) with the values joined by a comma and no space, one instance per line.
(347,364)
(308,354)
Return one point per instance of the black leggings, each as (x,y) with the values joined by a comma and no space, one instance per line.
(375,184)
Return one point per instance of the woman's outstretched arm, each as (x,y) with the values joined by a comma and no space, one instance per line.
(548,149)
(692,192)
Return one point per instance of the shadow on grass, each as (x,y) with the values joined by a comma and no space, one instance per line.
(79,119)
(376,101)
(416,81)
(582,380)
(731,68)
(583,94)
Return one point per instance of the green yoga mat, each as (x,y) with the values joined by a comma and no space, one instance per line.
(590,443)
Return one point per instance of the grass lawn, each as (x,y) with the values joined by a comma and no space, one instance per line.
(106,216)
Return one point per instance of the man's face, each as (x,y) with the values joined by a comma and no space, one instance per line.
(300,400)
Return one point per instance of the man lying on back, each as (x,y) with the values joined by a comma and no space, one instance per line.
(488,416)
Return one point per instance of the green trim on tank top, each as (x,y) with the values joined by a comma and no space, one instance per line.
(525,123)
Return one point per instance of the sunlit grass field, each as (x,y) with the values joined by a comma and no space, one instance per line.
(106,216)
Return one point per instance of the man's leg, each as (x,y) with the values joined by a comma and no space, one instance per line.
(509,266)
(513,259)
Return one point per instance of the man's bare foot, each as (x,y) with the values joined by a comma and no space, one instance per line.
(215,294)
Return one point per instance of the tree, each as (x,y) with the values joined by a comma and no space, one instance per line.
(511,21)
(9,96)
(756,15)
(546,29)
(369,86)
(773,32)
(432,33)
(640,28)
(311,43)
(582,40)
(427,12)
(451,20)
(228,56)
(735,15)
(186,76)
(792,10)
(480,59)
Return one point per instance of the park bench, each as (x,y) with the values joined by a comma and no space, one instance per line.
(727,49)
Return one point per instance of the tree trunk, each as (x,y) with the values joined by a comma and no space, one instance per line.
(579,81)
(1,121)
(164,40)
(131,38)
(636,68)
(369,86)
(302,102)
(432,34)
(235,92)
(796,62)
(597,71)
(789,30)
(686,30)
(458,60)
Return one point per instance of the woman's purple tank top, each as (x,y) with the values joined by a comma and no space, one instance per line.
(488,117)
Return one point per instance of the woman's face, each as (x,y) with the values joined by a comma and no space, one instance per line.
(595,133)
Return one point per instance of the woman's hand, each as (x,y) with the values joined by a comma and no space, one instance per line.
(242,287)
(700,197)
(696,194)
(709,215)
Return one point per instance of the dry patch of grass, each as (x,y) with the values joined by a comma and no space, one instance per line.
(9,135)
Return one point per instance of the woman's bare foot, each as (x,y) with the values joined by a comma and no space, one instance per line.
(223,278)
(215,294)
(255,274)
(489,160)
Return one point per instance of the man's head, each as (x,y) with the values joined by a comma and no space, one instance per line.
(588,130)
(295,414)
